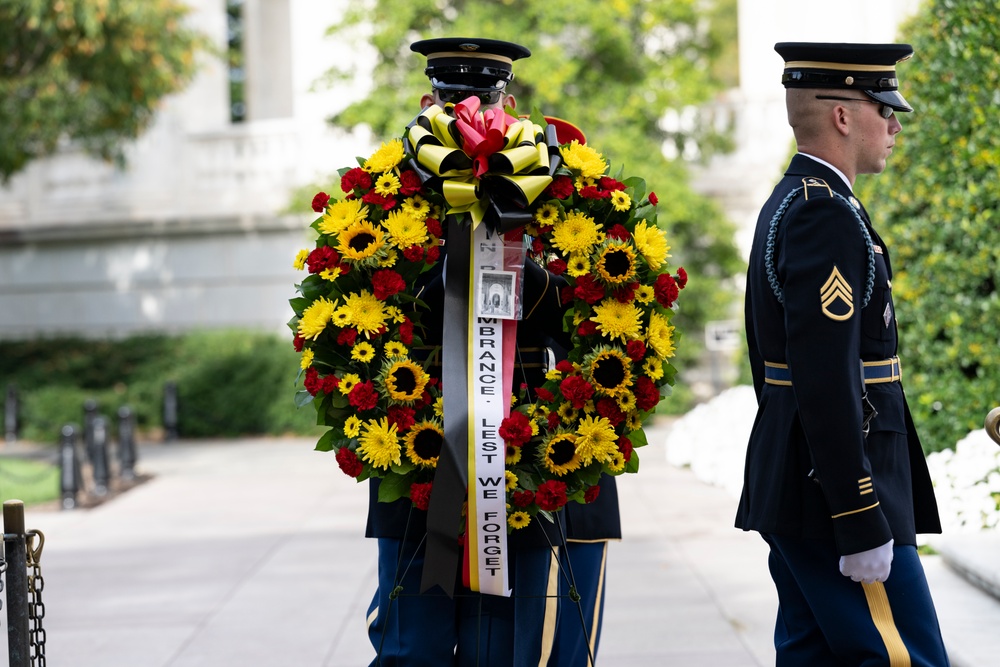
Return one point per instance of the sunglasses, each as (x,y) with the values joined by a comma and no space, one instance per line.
(883,110)
(455,96)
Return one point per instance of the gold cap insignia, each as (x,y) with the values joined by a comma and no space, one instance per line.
(837,297)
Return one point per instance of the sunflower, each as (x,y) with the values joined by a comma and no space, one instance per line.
(618,320)
(360,242)
(583,159)
(347,383)
(300,259)
(621,201)
(387,184)
(367,312)
(518,520)
(307,358)
(651,243)
(416,207)
(512,456)
(395,349)
(578,265)
(576,233)
(559,455)
(660,336)
(423,443)
(609,370)
(404,380)
(653,368)
(352,426)
(616,264)
(511,480)
(405,229)
(385,158)
(341,215)
(596,439)
(547,214)
(379,444)
(315,318)
(363,352)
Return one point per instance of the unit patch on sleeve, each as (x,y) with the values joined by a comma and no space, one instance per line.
(837,297)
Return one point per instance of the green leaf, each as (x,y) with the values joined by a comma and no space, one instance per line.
(303,398)
(638,438)
(325,443)
(393,487)
(632,465)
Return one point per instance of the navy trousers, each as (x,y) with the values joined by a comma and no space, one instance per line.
(824,618)
(579,630)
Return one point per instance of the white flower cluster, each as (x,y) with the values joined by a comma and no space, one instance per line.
(711,440)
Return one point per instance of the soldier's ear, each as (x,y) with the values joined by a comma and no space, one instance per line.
(841,119)
(426,101)
(509,101)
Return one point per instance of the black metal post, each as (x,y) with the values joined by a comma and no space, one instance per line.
(11,409)
(170,412)
(99,455)
(69,467)
(126,443)
(16,556)
(89,412)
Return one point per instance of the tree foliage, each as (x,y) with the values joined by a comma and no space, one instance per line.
(90,71)
(615,69)
(939,203)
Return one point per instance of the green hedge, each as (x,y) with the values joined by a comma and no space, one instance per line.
(229,383)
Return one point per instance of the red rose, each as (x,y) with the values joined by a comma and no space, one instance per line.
(387,282)
(414,253)
(330,383)
(665,289)
(420,494)
(523,498)
(406,332)
(312,382)
(608,183)
(433,254)
(376,199)
(587,328)
(322,258)
(355,178)
(608,408)
(557,267)
(588,289)
(409,183)
(551,495)
(646,394)
(544,394)
(320,201)
(636,350)
(565,366)
(653,199)
(625,447)
(682,277)
(516,429)
(561,187)
(348,462)
(590,495)
(363,396)
(619,232)
(298,342)
(401,416)
(576,390)
(433,226)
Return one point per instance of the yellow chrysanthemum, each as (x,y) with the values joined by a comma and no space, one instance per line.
(616,264)
(596,439)
(347,383)
(645,294)
(653,368)
(511,480)
(553,374)
(404,229)
(307,358)
(341,317)
(439,406)
(620,200)
(567,413)
(390,259)
(518,520)
(616,462)
(423,443)
(618,320)
(387,184)
(395,314)
(341,215)
(559,455)
(583,159)
(386,157)
(363,352)
(589,408)
(404,380)
(367,313)
(300,259)
(395,349)
(360,241)
(626,401)
(578,265)
(651,242)
(330,274)
(660,336)
(379,444)
(547,214)
(584,182)
(633,422)
(512,455)
(315,318)
(352,426)
(609,370)
(576,234)
(417,207)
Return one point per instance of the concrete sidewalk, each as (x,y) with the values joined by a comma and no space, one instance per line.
(250,553)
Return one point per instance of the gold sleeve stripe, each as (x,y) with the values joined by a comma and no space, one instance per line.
(866,492)
(878,605)
(866,479)
(863,509)
(551,607)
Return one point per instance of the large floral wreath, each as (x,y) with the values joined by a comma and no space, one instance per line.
(357,324)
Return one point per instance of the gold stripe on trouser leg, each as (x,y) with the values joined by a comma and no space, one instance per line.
(878,604)
(551,609)
(597,605)
(371,617)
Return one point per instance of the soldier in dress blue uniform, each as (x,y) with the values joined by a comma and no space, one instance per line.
(432,628)
(836,481)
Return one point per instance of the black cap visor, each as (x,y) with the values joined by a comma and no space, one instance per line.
(890,98)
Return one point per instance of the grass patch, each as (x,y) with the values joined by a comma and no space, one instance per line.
(31,482)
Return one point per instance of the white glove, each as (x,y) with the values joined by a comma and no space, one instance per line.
(868,566)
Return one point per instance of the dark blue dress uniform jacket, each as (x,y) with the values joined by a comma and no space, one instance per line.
(810,471)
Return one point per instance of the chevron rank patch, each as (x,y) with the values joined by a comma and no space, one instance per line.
(837,297)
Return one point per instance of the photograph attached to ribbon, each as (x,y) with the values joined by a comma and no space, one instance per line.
(499,279)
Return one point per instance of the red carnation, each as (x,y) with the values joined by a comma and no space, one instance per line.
(401,416)
(561,187)
(330,383)
(608,183)
(576,390)
(646,394)
(387,282)
(516,429)
(590,495)
(537,247)
(298,342)
(682,277)
(409,183)
(433,226)
(414,253)
(551,495)
(312,382)
(406,332)
(665,289)
(376,199)
(355,178)
(557,267)
(653,199)
(636,350)
(544,394)
(625,447)
(320,201)
(591,192)
(609,409)
(523,498)
(552,420)
(322,258)
(619,232)
(363,396)
(566,295)
(587,328)
(565,366)
(626,293)
(433,254)
(588,289)
(346,337)
(348,462)
(420,494)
